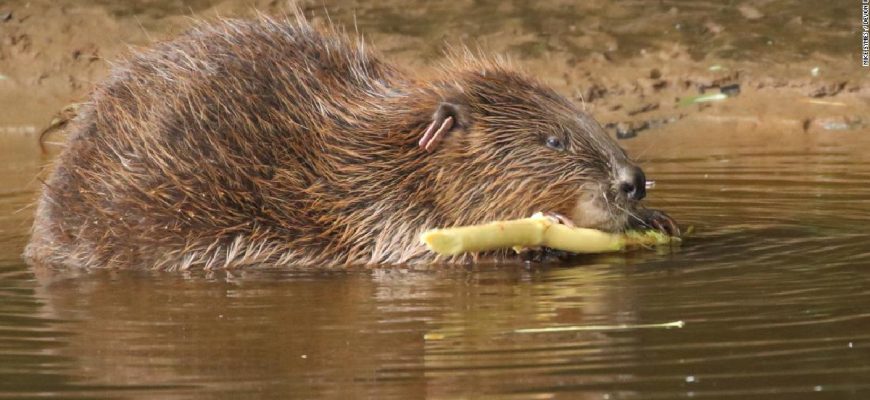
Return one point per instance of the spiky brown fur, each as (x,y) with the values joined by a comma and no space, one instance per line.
(267,141)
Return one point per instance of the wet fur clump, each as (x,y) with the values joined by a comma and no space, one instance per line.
(273,142)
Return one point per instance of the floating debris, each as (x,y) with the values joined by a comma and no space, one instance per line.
(814,71)
(598,328)
(434,336)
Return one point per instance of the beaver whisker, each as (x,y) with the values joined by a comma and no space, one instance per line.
(631,214)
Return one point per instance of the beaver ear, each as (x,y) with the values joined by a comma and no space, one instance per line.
(449,117)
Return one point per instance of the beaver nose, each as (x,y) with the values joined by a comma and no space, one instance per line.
(633,183)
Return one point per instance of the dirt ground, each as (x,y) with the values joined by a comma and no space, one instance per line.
(772,66)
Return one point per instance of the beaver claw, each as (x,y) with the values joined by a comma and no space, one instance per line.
(655,219)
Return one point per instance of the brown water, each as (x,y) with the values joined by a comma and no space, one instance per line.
(773,289)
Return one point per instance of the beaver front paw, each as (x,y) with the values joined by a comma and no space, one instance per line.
(654,219)
(543,255)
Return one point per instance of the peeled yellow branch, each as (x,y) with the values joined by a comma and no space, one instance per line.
(537,231)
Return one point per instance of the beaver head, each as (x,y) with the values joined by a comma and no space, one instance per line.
(512,146)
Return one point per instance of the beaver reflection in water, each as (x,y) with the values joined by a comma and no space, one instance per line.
(272,142)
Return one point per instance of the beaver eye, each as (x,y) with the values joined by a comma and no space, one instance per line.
(555,143)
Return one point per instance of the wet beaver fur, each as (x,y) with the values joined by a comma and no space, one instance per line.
(273,142)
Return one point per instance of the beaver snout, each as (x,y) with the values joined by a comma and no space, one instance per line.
(632,183)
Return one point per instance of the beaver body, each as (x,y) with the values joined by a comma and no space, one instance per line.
(272,142)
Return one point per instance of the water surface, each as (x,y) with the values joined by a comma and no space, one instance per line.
(773,289)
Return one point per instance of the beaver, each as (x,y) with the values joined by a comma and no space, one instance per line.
(271,141)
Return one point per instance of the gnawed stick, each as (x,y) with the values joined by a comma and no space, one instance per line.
(537,231)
